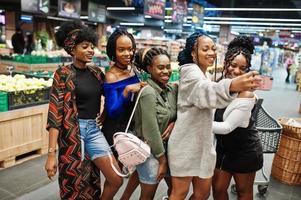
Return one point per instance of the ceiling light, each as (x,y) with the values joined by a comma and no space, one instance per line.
(252,9)
(167,21)
(235,33)
(267,27)
(58,18)
(84,17)
(120,8)
(167,17)
(131,24)
(250,23)
(147,16)
(252,19)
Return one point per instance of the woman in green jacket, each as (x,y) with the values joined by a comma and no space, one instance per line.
(154,117)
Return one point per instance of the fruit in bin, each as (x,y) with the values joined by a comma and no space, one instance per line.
(20,83)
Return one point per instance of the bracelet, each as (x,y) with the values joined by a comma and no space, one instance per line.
(51,150)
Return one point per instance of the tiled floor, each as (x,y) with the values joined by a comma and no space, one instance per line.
(28,180)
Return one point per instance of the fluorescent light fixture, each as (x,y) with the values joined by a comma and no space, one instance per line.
(250,23)
(167,21)
(173,30)
(235,33)
(147,16)
(186,24)
(189,17)
(84,17)
(169,8)
(296,31)
(26,17)
(253,9)
(120,8)
(167,17)
(252,19)
(131,24)
(244,30)
(266,27)
(58,18)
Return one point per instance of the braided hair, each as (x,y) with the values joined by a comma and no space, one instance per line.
(111,44)
(144,57)
(83,33)
(184,56)
(239,45)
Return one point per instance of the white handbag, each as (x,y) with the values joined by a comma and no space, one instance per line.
(131,150)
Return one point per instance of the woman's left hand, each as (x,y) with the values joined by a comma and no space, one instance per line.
(167,131)
(162,168)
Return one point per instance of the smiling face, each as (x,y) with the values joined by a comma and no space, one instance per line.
(237,67)
(160,69)
(124,51)
(205,54)
(83,52)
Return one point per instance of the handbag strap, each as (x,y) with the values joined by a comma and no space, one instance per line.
(116,170)
(133,112)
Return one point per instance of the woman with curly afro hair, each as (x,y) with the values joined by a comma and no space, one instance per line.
(74,104)
(239,150)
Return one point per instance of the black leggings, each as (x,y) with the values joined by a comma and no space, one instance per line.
(288,75)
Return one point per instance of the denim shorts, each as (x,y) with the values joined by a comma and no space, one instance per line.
(148,171)
(92,139)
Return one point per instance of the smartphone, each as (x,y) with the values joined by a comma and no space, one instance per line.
(266,83)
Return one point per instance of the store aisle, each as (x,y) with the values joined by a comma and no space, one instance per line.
(28,180)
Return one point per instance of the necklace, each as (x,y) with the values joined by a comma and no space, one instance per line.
(121,68)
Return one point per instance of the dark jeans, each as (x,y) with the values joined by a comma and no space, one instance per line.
(287,80)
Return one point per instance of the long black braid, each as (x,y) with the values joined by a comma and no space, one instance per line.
(144,59)
(239,45)
(191,45)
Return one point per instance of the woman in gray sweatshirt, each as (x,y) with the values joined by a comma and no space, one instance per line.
(191,154)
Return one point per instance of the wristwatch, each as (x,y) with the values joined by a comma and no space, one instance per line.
(51,150)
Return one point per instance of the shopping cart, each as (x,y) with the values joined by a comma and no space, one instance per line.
(269,131)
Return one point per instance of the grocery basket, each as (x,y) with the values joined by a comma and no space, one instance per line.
(269,131)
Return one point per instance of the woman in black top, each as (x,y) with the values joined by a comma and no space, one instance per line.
(238,148)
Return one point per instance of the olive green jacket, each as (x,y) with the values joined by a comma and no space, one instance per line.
(156,109)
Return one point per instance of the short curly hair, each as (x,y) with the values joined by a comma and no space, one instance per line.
(239,45)
(111,44)
(85,33)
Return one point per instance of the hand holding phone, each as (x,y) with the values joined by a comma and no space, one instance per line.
(266,83)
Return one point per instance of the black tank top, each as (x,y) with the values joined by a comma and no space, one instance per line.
(240,140)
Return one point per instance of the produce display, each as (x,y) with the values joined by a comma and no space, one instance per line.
(36,74)
(20,82)
(19,91)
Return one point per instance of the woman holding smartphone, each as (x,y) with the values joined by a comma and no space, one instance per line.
(191,153)
(239,150)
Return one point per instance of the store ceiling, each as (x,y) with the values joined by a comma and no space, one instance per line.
(260,4)
(15,5)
